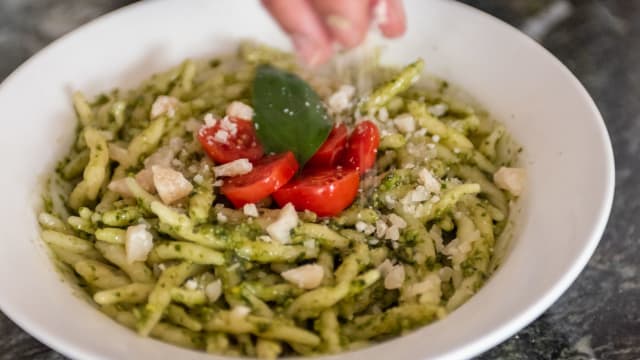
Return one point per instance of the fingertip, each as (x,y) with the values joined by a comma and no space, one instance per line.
(346,21)
(312,52)
(320,57)
(393,30)
(347,33)
(298,19)
(391,17)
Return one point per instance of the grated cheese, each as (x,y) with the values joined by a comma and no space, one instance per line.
(210,120)
(240,312)
(222,218)
(229,126)
(405,123)
(138,243)
(383,114)
(381,228)
(233,168)
(429,181)
(309,243)
(164,105)
(385,267)
(392,233)
(250,210)
(363,227)
(305,277)
(191,284)
(221,136)
(420,133)
(397,221)
(240,110)
(438,110)
(341,99)
(395,278)
(213,290)
(280,230)
(510,179)
(171,185)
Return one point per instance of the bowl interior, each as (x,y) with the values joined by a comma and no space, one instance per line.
(567,155)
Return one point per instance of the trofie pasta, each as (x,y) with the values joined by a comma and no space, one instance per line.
(138,213)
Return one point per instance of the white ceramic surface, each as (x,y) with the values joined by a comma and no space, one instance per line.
(568,156)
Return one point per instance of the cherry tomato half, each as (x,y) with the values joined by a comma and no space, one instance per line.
(230,139)
(362,147)
(331,150)
(268,175)
(324,191)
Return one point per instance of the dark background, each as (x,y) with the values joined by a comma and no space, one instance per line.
(599,316)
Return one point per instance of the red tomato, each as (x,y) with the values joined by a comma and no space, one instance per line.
(324,191)
(329,153)
(362,147)
(230,139)
(268,175)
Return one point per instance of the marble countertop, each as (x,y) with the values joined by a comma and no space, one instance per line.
(599,40)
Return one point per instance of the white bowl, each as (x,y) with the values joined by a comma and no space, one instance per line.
(567,154)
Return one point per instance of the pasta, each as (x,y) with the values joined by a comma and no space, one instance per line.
(417,242)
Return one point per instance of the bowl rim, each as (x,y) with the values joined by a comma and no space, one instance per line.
(482,343)
(561,285)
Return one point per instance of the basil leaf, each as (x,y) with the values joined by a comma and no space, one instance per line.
(289,115)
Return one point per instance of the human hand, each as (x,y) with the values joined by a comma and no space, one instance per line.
(315,25)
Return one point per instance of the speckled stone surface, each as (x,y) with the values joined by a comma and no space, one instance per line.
(599,316)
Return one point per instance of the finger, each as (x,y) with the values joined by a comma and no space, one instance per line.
(390,16)
(347,21)
(298,19)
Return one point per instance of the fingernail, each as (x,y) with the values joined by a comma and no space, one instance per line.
(307,49)
(338,23)
(343,30)
(380,12)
